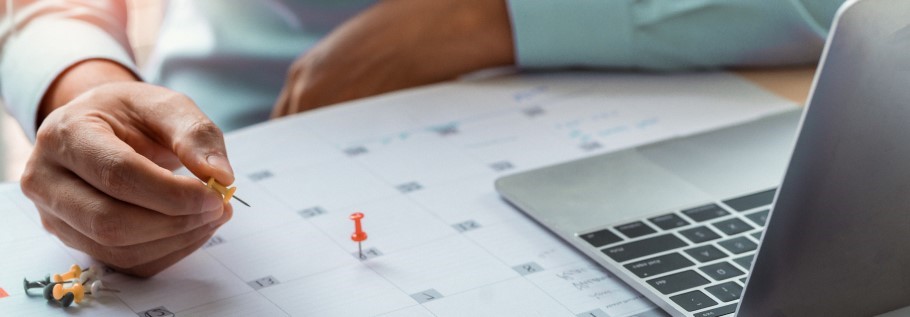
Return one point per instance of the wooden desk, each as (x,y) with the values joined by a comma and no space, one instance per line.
(790,83)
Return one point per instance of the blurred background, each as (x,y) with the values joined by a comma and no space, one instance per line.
(144,19)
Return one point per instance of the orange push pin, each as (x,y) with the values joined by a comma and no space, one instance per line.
(77,289)
(74,273)
(226,192)
(358,235)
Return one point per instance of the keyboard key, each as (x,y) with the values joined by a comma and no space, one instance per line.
(706,253)
(659,265)
(717,312)
(757,235)
(678,281)
(668,221)
(699,234)
(746,261)
(601,238)
(752,201)
(693,300)
(705,213)
(738,245)
(759,218)
(635,229)
(649,246)
(721,271)
(726,292)
(732,226)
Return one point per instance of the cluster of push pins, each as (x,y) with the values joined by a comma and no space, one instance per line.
(66,288)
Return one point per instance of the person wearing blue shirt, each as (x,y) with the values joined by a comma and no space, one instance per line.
(107,134)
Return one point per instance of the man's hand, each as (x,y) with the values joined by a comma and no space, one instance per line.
(399,44)
(100,174)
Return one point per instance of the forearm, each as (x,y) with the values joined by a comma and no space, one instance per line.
(398,44)
(44,40)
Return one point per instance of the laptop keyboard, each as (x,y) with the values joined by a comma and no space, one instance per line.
(698,257)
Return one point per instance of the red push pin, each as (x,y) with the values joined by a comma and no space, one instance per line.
(358,235)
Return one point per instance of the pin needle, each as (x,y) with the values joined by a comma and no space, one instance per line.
(241,201)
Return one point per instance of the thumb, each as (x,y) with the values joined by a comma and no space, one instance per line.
(180,125)
(199,144)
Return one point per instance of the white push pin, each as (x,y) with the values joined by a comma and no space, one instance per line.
(98,287)
(94,272)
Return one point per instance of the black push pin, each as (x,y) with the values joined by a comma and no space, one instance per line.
(36,284)
(49,291)
(65,301)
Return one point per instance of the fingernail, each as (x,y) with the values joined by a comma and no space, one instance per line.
(212,202)
(209,216)
(219,162)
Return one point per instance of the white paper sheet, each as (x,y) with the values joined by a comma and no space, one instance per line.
(420,164)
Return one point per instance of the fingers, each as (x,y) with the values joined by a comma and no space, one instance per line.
(47,226)
(295,99)
(133,255)
(158,154)
(107,163)
(154,267)
(281,104)
(179,124)
(291,99)
(107,221)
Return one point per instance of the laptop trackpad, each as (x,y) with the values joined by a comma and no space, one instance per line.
(624,186)
(733,161)
(605,189)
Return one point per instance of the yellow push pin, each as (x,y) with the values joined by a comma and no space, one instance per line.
(77,289)
(74,273)
(226,192)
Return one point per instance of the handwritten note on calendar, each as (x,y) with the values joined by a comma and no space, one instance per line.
(420,164)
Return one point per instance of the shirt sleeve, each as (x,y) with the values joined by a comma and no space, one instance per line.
(669,34)
(41,39)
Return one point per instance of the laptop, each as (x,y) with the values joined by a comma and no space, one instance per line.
(804,213)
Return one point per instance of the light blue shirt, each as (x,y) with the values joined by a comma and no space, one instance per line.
(232,57)
(670,34)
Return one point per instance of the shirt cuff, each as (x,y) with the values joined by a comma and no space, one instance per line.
(548,33)
(34,56)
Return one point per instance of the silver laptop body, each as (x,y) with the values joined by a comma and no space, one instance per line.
(681,221)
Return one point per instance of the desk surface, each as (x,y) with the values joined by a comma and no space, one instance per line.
(790,83)
(420,165)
